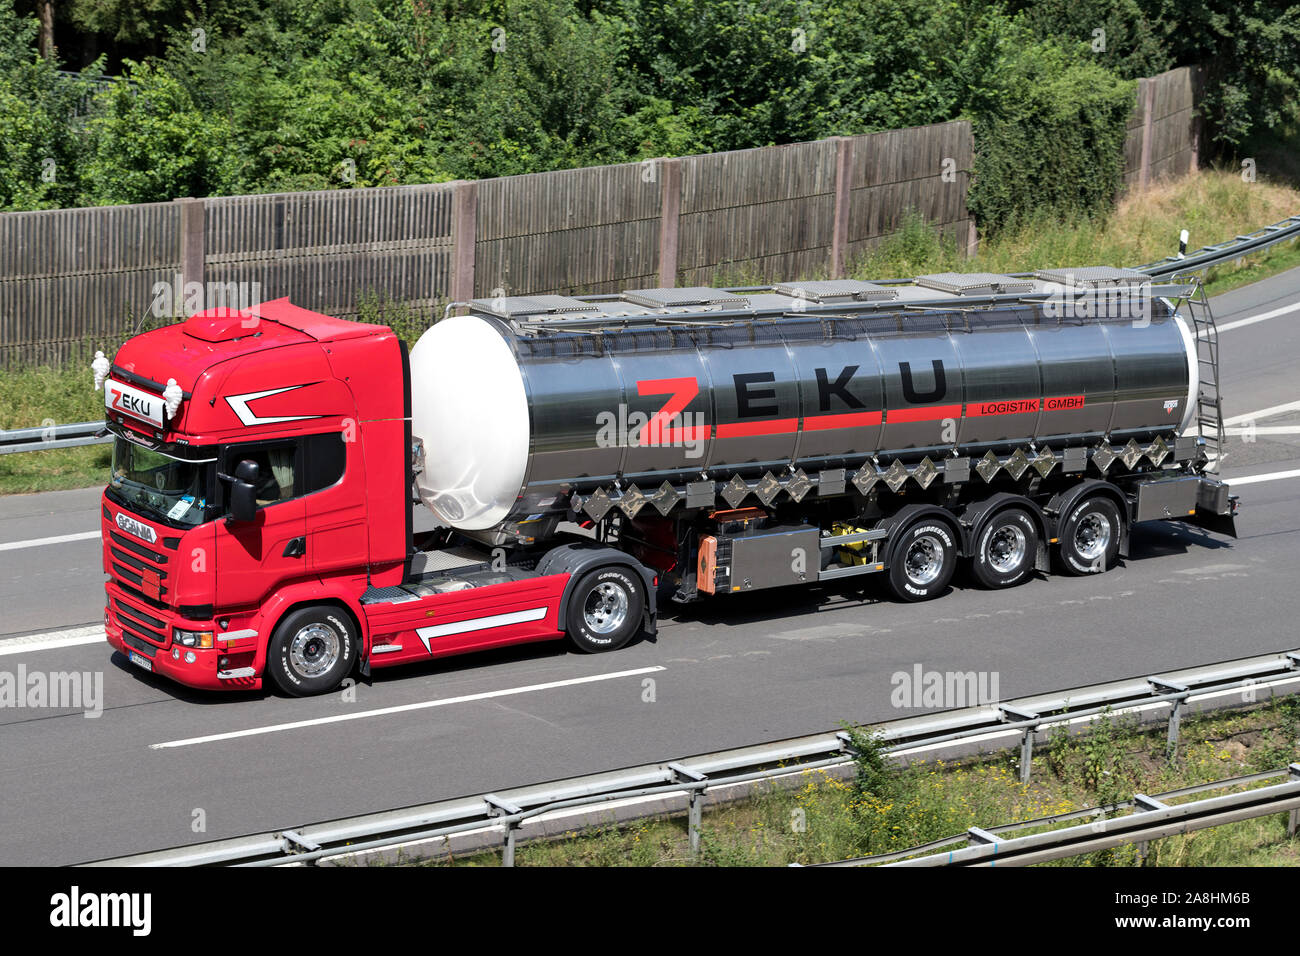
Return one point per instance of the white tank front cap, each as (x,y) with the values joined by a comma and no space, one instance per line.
(469,407)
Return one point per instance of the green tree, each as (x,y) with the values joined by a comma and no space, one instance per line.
(1051,139)
(550,94)
(40,140)
(1251,54)
(147,142)
(1119,34)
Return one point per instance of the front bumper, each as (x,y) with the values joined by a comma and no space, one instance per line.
(168,659)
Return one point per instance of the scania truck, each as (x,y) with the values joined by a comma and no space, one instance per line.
(586,458)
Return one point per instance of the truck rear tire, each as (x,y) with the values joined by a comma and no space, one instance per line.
(1006,549)
(312,650)
(923,561)
(605,610)
(1089,536)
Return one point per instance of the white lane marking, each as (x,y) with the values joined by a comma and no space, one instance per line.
(72,637)
(403,708)
(1271,476)
(57,539)
(1241,431)
(1263,413)
(479,624)
(1262,317)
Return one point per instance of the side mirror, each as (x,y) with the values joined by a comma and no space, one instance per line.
(243,491)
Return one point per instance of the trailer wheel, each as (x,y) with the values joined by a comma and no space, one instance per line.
(1089,536)
(923,561)
(312,650)
(605,610)
(1006,549)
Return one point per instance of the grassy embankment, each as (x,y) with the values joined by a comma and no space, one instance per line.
(884,810)
(1213,205)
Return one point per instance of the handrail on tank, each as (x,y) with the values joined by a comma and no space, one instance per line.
(706,317)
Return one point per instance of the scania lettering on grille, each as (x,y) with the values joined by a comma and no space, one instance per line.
(139,529)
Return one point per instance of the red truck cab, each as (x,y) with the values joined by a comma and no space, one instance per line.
(261,524)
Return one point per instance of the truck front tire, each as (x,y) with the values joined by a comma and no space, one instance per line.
(605,610)
(312,650)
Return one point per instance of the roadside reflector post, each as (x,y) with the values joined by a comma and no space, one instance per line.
(695,814)
(1015,715)
(509,814)
(1144,804)
(1293,818)
(1175,711)
(293,843)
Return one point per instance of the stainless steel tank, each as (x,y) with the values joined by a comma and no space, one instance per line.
(514,420)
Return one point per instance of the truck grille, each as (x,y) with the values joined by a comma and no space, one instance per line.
(133,642)
(149,554)
(140,624)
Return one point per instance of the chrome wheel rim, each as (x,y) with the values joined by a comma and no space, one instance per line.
(924,560)
(606,609)
(1092,537)
(314,650)
(1006,548)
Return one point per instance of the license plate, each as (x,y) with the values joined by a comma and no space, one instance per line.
(141,660)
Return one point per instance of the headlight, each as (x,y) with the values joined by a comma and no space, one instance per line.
(193,638)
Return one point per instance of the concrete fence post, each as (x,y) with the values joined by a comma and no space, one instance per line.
(194,218)
(464,238)
(670,214)
(1147,97)
(844,148)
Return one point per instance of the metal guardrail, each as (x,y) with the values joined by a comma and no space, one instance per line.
(1227,251)
(53,436)
(1151,819)
(506,812)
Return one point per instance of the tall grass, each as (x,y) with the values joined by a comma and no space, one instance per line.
(1212,205)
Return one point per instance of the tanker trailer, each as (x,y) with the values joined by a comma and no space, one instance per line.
(742,439)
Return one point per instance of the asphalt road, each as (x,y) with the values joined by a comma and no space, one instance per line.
(734,672)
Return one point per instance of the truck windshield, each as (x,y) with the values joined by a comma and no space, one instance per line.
(173,489)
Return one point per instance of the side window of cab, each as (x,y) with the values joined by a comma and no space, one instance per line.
(291,468)
(279,466)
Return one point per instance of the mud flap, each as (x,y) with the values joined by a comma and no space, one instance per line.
(1043,560)
(1219,524)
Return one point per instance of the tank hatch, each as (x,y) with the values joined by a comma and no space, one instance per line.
(974,283)
(537,306)
(837,290)
(676,298)
(1094,277)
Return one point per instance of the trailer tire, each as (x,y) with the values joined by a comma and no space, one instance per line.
(1006,549)
(1089,537)
(923,560)
(312,650)
(605,609)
